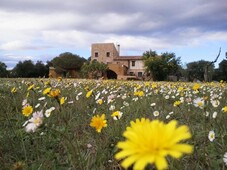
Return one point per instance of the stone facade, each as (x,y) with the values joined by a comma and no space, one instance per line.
(120,67)
(125,67)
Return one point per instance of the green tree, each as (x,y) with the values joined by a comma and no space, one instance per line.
(93,69)
(196,70)
(3,70)
(28,69)
(24,69)
(67,61)
(41,70)
(160,66)
(221,72)
(223,69)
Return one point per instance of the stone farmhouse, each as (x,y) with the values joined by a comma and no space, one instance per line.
(120,67)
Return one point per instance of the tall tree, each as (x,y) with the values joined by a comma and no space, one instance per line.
(195,70)
(28,69)
(221,72)
(3,70)
(93,69)
(24,69)
(160,66)
(41,70)
(67,61)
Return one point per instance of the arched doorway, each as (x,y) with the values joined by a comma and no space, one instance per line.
(111,74)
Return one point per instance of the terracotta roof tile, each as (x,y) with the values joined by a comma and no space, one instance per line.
(129,58)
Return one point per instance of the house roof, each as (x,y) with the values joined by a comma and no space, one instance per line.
(129,58)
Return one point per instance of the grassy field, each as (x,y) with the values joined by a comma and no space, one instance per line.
(77,124)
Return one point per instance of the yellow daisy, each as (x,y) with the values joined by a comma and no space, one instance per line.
(196,86)
(62,100)
(98,122)
(149,142)
(27,110)
(89,93)
(13,90)
(224,109)
(177,103)
(31,87)
(116,115)
(55,93)
(46,91)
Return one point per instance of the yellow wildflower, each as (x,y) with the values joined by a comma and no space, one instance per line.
(196,87)
(31,87)
(177,103)
(54,93)
(46,91)
(27,94)
(147,84)
(100,101)
(149,142)
(47,83)
(180,89)
(139,93)
(98,122)
(13,90)
(62,100)
(89,93)
(27,110)
(116,115)
(224,109)
(154,85)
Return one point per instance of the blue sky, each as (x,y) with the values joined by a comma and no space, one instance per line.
(42,29)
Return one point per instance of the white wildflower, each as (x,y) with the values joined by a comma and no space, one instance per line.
(211,136)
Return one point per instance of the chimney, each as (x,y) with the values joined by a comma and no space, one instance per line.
(118,49)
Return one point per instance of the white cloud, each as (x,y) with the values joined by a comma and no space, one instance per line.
(45,27)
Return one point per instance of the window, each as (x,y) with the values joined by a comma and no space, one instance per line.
(131,73)
(107,54)
(133,63)
(140,74)
(96,54)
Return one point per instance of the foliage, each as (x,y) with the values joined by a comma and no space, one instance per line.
(28,69)
(67,61)
(40,69)
(161,66)
(221,72)
(3,70)
(65,139)
(94,69)
(196,70)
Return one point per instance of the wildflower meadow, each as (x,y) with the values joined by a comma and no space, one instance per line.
(83,124)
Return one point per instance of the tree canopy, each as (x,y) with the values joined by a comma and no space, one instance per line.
(221,71)
(93,69)
(160,66)
(28,69)
(68,61)
(3,70)
(196,70)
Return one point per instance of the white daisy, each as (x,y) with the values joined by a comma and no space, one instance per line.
(199,102)
(156,113)
(48,111)
(34,122)
(211,136)
(225,158)
(215,115)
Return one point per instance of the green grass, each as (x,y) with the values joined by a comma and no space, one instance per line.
(65,140)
